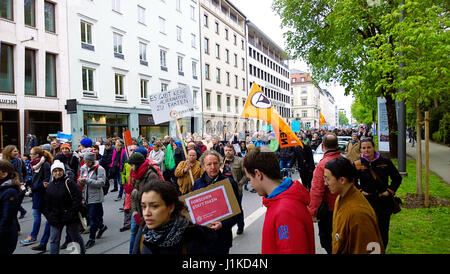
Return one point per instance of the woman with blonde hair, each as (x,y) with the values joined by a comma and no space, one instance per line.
(9,203)
(41,161)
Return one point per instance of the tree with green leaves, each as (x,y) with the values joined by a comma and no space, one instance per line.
(362,112)
(361,44)
(343,120)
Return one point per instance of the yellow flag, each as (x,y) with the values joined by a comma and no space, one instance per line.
(322,119)
(259,106)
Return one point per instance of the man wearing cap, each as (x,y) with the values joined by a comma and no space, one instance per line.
(92,179)
(70,158)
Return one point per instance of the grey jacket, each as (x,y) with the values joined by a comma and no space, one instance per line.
(95,180)
(238,172)
(149,176)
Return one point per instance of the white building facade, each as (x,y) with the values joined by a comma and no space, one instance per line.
(328,109)
(33,70)
(121,52)
(268,68)
(224,74)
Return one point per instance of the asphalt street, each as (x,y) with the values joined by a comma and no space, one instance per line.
(115,242)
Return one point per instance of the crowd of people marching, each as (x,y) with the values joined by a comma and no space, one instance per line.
(350,195)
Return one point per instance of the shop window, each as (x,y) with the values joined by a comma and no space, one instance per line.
(9,128)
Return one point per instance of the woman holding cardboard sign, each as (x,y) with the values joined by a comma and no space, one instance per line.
(166,229)
(210,162)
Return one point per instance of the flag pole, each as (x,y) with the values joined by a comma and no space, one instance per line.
(184,149)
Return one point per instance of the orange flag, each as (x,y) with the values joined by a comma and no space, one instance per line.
(322,119)
(259,106)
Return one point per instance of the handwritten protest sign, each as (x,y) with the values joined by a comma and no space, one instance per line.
(171,105)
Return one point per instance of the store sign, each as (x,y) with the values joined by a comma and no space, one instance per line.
(171,105)
(10,100)
(213,203)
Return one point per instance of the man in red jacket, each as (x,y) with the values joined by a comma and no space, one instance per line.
(320,193)
(288,227)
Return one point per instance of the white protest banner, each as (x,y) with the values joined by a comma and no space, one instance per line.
(171,105)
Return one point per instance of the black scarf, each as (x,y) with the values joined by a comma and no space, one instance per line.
(167,235)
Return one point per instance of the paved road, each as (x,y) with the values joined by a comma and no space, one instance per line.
(439,158)
(115,242)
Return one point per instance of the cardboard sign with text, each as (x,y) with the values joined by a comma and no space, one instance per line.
(213,203)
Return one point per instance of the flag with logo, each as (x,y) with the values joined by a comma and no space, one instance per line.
(260,107)
(322,119)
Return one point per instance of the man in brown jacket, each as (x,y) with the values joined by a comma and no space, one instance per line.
(352,151)
(182,172)
(355,225)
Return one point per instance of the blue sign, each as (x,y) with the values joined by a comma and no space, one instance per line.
(295,126)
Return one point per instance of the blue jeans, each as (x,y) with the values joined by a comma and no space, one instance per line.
(95,219)
(46,235)
(133,231)
(284,164)
(72,230)
(118,180)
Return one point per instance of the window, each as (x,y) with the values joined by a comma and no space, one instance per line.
(30,72)
(86,33)
(179,34)
(141,15)
(303,79)
(88,81)
(218,75)
(49,11)
(226,34)
(143,54)
(50,75)
(236,104)
(205,20)
(303,90)
(235,39)
(194,69)
(6,68)
(164,87)
(206,45)
(6,9)
(243,83)
(194,98)
(243,64)
(116,5)
(162,25)
(229,103)
(118,83)
(236,81)
(216,27)
(193,13)
(144,94)
(304,113)
(304,102)
(217,51)
(293,80)
(207,71)
(193,41)
(227,80)
(227,56)
(118,45)
(235,60)
(242,44)
(178,4)
(162,59)
(29,12)
(180,65)
(208,100)
(219,102)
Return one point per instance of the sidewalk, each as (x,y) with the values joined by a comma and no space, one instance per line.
(439,158)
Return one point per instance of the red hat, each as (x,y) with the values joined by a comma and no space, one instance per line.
(65,146)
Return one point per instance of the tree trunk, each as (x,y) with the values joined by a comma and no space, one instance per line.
(393,126)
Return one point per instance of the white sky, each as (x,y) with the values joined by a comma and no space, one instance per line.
(261,14)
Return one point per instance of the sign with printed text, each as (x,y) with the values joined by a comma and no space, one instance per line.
(215,202)
(171,105)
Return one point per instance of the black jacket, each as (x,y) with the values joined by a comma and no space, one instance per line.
(285,153)
(194,241)
(384,168)
(9,206)
(224,235)
(61,207)
(304,158)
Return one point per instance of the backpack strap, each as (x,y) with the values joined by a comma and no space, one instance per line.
(141,244)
